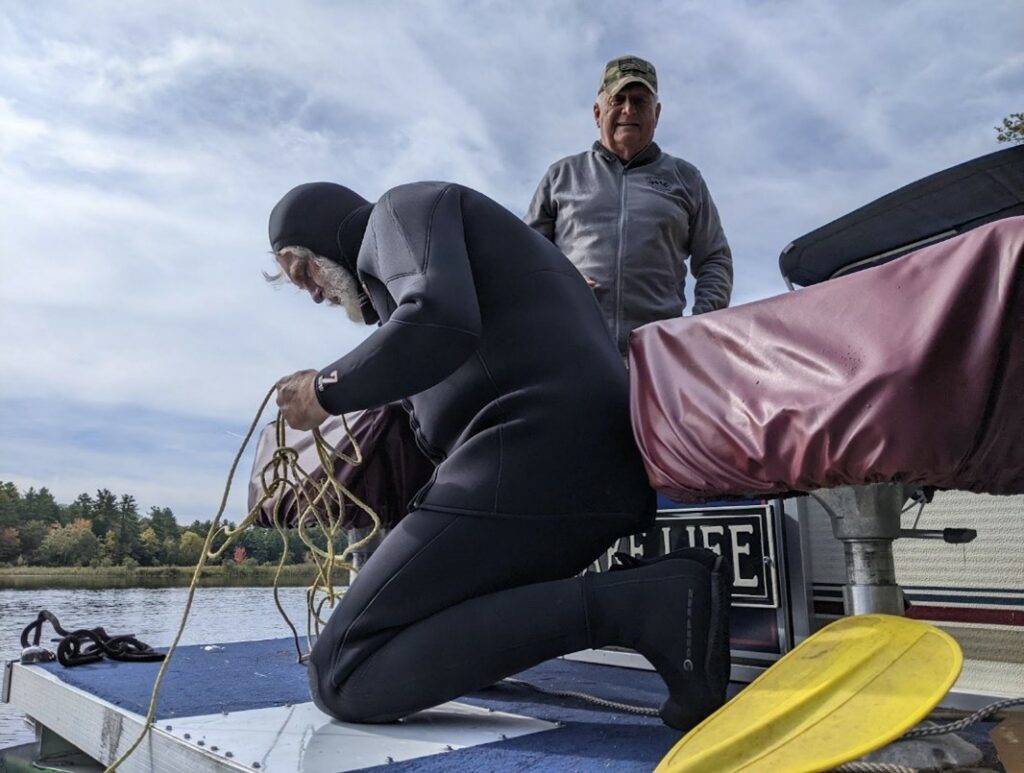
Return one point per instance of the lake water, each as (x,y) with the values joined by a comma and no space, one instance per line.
(152,614)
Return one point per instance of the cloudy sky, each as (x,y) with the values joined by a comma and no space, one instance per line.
(142,146)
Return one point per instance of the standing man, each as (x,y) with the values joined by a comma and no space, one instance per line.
(628,215)
(495,345)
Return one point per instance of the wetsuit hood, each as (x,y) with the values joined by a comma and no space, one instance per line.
(329,220)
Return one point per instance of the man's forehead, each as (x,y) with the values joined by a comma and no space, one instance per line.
(635,88)
(635,91)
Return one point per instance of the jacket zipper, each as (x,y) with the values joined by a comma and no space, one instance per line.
(618,256)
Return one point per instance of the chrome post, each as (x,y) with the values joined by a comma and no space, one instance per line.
(866,519)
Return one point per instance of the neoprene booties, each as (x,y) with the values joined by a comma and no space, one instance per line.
(673,610)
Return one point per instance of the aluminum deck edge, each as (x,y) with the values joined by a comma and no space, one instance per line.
(104,731)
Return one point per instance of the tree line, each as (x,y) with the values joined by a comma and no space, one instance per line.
(107,530)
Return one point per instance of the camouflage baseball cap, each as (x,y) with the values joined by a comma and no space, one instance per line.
(623,70)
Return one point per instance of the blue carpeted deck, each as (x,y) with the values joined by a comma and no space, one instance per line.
(262,674)
(233,677)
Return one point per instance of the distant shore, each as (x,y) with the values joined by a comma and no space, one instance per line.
(156,576)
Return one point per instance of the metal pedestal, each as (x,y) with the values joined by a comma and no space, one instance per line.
(866,519)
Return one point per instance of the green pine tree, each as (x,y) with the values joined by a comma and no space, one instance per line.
(1012,130)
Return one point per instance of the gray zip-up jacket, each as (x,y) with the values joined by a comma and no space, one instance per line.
(630,227)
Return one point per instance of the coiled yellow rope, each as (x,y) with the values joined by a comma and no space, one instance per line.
(281,474)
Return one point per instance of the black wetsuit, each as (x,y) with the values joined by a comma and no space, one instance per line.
(514,385)
(499,347)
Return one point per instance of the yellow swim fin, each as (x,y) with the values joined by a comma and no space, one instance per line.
(854,686)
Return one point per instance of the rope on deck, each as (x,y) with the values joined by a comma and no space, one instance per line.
(924,732)
(628,708)
(960,724)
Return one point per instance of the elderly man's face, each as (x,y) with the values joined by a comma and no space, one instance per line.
(323,280)
(303,273)
(627,120)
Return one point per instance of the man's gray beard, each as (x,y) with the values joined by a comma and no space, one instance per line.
(341,287)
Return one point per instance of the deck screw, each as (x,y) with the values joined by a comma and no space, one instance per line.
(168,728)
(214,749)
(390,760)
(504,737)
(228,754)
(187,736)
(201,742)
(447,747)
(256,765)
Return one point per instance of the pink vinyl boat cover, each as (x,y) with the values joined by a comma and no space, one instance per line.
(912,371)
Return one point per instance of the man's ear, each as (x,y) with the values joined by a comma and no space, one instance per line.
(657,113)
(597,112)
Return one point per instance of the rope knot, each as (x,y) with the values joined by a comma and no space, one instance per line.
(285,454)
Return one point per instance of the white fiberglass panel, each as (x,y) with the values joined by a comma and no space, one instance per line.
(303,738)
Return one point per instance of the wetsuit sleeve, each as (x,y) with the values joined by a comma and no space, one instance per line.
(541,214)
(710,257)
(420,257)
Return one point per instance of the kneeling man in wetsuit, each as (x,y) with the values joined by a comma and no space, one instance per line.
(495,345)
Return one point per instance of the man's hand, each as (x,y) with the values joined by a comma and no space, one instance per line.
(296,399)
(590,282)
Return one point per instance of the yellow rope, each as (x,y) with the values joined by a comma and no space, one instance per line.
(280,475)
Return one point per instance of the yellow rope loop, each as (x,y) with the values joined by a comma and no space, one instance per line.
(281,476)
(322,445)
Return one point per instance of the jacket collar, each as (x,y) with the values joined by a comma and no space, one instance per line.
(644,157)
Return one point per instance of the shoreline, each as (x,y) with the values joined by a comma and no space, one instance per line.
(15,577)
